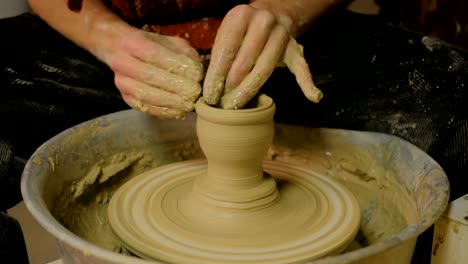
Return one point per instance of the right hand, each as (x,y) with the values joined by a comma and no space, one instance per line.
(249,45)
(156,74)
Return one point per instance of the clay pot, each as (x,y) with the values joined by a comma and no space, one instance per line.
(235,143)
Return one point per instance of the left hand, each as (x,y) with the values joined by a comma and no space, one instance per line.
(249,45)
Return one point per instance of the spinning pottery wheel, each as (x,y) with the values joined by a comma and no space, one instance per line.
(234,207)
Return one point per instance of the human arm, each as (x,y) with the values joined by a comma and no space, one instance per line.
(252,40)
(154,73)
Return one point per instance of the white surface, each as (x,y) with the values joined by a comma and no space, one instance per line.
(10,8)
(367,7)
(40,245)
(450,244)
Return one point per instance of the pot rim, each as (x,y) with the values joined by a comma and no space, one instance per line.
(263,112)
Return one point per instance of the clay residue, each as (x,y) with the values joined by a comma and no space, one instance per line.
(371,174)
(386,206)
(82,207)
(103,171)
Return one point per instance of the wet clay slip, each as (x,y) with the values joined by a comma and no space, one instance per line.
(234,207)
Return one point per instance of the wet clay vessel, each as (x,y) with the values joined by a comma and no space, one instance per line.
(234,207)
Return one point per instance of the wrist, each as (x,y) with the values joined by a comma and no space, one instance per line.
(298,16)
(105,33)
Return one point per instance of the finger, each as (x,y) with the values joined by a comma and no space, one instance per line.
(162,112)
(257,35)
(176,44)
(262,70)
(183,46)
(151,96)
(157,54)
(227,43)
(295,61)
(187,89)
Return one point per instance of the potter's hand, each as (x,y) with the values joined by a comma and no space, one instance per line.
(156,74)
(249,45)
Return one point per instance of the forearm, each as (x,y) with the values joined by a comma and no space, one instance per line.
(93,28)
(297,15)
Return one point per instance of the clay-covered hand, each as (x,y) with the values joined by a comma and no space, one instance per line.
(156,74)
(250,43)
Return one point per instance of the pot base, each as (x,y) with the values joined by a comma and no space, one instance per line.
(158,215)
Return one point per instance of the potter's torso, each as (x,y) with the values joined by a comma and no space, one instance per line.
(195,20)
(170,11)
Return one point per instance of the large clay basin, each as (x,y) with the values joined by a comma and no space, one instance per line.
(401,190)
